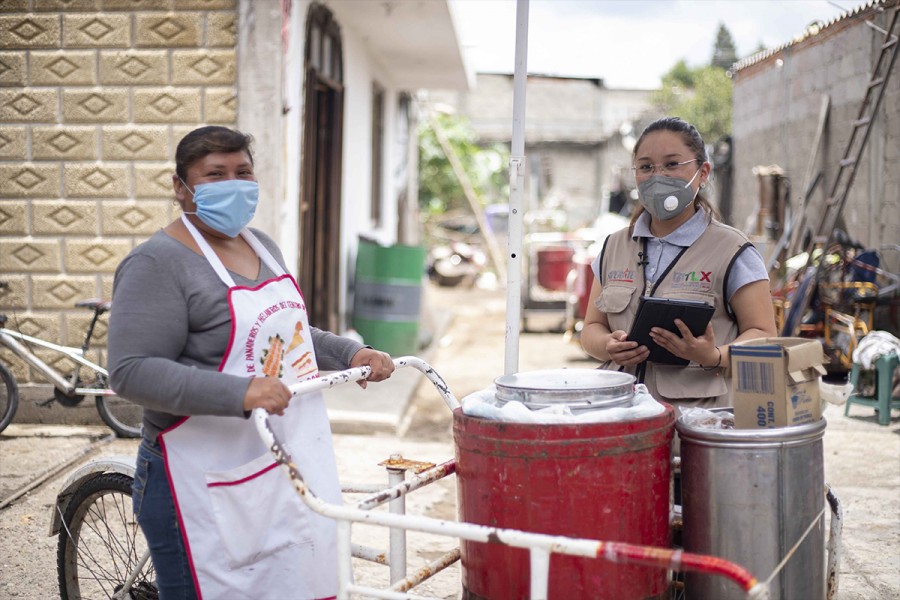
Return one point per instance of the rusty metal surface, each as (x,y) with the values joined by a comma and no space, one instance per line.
(412,484)
(399,463)
(834,543)
(426,572)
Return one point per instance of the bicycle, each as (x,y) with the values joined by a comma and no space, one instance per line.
(87,378)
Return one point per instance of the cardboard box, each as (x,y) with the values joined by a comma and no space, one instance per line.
(775,382)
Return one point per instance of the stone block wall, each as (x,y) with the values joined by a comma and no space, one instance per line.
(776,113)
(94,96)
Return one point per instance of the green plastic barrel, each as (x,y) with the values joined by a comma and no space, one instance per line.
(388,296)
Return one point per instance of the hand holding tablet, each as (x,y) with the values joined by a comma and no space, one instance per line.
(662,312)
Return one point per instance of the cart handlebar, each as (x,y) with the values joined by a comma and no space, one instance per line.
(359,373)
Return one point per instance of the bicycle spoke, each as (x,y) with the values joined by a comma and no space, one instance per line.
(100,533)
(111,542)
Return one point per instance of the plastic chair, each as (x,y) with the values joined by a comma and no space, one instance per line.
(883,400)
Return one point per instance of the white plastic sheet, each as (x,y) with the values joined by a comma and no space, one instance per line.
(482,404)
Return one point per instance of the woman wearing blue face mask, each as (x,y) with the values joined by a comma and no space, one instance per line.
(206,325)
(676,248)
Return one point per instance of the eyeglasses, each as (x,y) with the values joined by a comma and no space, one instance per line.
(666,169)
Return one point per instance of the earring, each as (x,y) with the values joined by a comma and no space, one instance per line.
(703,186)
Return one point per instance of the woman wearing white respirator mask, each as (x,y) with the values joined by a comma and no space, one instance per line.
(676,248)
(206,325)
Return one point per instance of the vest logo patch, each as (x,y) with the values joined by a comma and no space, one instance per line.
(625,275)
(697,281)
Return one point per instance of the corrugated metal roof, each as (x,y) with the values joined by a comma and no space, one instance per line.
(811,31)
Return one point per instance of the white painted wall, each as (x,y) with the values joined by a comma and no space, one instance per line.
(271,97)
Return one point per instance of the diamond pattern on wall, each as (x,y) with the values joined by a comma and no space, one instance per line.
(64,216)
(63,142)
(4,217)
(134,141)
(167,29)
(4,141)
(63,291)
(59,362)
(163,180)
(28,178)
(133,67)
(27,254)
(24,104)
(96,29)
(4,67)
(30,327)
(166,104)
(97,179)
(97,255)
(62,67)
(27,30)
(206,66)
(95,104)
(133,217)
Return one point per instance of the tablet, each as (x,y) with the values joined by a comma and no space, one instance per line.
(662,312)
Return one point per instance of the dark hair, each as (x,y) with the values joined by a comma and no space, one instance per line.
(692,139)
(207,140)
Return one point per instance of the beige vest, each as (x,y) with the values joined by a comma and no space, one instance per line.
(698,274)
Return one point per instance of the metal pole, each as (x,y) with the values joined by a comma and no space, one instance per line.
(516,192)
(397,546)
(345,559)
(540,573)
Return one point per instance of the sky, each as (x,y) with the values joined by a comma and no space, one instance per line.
(628,43)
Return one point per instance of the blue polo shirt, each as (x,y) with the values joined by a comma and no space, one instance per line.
(748,267)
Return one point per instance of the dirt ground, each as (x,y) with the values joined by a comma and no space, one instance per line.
(862,462)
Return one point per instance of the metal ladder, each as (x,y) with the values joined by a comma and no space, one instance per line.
(846,173)
(824,235)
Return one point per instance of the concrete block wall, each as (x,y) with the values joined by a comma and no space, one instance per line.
(776,111)
(94,96)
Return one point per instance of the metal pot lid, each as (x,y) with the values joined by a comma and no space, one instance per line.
(576,387)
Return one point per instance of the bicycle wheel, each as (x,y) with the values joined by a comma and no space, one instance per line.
(100,543)
(122,416)
(9,397)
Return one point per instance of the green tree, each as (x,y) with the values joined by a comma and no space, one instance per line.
(486,167)
(701,95)
(706,103)
(724,53)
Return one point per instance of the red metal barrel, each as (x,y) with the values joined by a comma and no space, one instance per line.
(553,265)
(603,481)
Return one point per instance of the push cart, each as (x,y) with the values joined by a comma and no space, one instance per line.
(91,539)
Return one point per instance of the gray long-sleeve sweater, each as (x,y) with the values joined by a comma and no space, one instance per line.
(169,328)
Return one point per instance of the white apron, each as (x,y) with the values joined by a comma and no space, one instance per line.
(247,533)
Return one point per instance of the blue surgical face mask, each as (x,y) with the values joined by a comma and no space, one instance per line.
(226,206)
